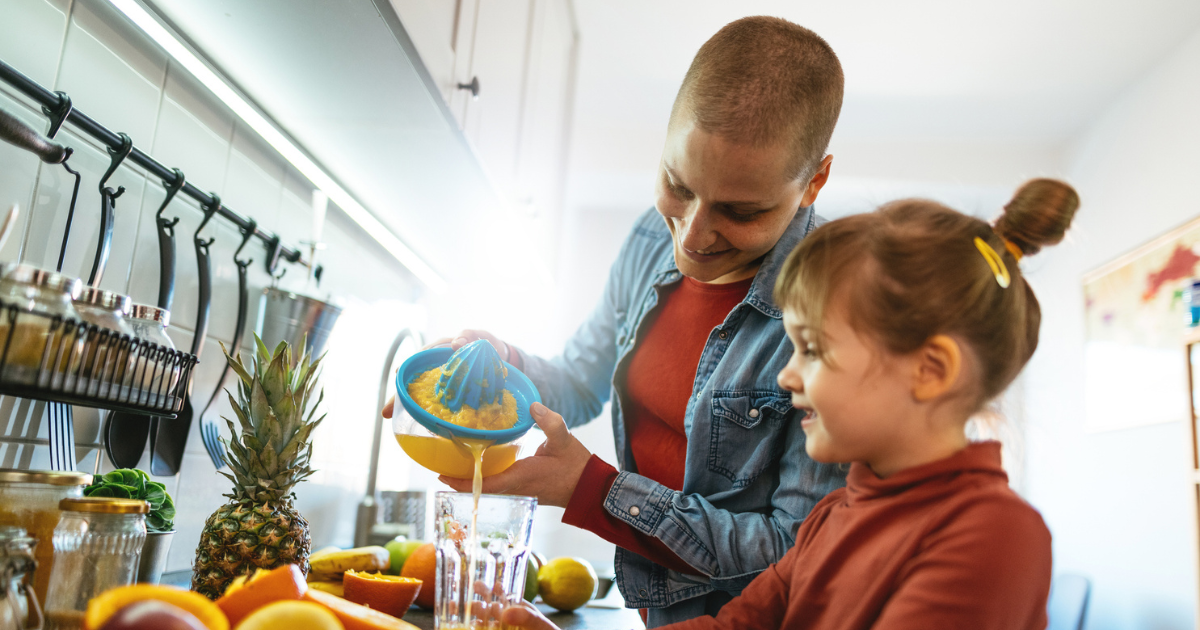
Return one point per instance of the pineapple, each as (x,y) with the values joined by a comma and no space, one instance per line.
(259,527)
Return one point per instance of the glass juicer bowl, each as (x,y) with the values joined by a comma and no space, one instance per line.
(441,446)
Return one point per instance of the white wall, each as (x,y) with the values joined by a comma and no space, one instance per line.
(124,82)
(1118,503)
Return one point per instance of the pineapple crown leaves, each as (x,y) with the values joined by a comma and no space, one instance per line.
(271,447)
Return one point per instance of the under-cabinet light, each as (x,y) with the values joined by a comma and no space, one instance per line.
(265,128)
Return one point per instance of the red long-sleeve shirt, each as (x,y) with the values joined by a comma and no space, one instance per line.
(947,545)
(658,383)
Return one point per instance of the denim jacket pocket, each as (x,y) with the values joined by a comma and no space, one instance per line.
(745,428)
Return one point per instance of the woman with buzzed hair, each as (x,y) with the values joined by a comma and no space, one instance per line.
(713,479)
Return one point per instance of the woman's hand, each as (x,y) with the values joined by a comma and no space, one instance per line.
(551,474)
(463,338)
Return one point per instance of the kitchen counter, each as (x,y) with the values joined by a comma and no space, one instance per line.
(603,616)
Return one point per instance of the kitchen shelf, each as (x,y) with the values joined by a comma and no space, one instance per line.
(57,359)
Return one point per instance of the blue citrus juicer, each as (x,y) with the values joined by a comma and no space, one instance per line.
(474,375)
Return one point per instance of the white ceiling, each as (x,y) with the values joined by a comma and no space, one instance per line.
(1033,70)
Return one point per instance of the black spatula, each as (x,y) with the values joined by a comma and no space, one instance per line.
(125,433)
(169,437)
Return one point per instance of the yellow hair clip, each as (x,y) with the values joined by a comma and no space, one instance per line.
(995,262)
(1012,249)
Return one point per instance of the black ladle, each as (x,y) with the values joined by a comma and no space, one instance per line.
(169,438)
(125,433)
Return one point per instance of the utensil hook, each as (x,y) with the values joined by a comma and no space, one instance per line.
(59,113)
(247,234)
(173,187)
(116,156)
(62,252)
(209,210)
(275,252)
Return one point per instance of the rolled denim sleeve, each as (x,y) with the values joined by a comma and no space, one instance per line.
(730,548)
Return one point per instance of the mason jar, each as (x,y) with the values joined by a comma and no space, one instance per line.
(29,499)
(19,608)
(38,324)
(106,352)
(96,548)
(152,372)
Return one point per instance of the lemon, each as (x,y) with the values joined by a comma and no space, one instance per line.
(567,583)
(291,614)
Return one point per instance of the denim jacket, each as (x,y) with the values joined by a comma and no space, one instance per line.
(748,482)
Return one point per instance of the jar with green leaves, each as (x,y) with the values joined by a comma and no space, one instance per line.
(131,483)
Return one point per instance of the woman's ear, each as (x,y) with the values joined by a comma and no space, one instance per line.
(938,364)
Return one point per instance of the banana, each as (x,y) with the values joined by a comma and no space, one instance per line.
(330,565)
(333,588)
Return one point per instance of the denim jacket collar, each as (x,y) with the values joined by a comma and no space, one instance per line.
(761,291)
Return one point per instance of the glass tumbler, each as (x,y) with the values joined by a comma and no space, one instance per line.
(475,600)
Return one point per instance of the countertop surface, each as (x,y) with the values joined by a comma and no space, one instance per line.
(603,614)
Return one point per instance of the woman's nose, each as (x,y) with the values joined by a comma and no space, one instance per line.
(695,229)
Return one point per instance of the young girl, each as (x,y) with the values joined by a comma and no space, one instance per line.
(906,322)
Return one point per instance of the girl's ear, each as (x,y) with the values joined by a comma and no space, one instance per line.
(938,364)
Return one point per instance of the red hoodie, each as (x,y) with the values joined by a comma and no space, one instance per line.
(946,545)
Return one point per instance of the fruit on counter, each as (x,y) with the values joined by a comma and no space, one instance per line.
(333,588)
(261,589)
(567,583)
(391,594)
(152,615)
(422,565)
(332,564)
(531,579)
(400,549)
(102,608)
(356,616)
(292,615)
(268,455)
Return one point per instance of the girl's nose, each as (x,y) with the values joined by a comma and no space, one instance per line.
(789,379)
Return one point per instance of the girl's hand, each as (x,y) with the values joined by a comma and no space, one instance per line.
(550,475)
(463,338)
(524,615)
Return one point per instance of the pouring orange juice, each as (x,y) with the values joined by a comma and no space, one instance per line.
(467,408)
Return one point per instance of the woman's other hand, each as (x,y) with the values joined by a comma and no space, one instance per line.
(463,338)
(551,474)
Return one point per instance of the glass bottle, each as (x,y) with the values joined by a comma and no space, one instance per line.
(96,548)
(36,306)
(29,499)
(106,353)
(19,609)
(153,373)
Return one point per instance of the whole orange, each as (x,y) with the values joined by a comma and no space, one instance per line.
(422,564)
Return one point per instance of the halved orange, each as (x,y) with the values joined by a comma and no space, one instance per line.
(355,616)
(264,587)
(108,603)
(422,564)
(391,594)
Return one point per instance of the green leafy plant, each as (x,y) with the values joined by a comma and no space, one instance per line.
(131,483)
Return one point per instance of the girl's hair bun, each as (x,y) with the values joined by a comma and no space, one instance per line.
(1038,215)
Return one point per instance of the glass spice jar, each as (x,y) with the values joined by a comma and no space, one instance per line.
(152,372)
(29,499)
(105,352)
(96,548)
(19,609)
(37,308)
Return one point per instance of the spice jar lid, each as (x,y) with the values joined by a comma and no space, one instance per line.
(48,477)
(152,313)
(105,505)
(106,300)
(28,274)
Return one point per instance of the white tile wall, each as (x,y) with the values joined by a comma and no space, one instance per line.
(84,48)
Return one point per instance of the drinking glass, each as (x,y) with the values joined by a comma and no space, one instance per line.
(466,599)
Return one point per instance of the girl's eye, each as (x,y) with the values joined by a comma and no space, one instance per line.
(809,352)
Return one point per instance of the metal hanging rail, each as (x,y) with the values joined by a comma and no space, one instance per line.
(56,102)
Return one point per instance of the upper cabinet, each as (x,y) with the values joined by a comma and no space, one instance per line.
(505,69)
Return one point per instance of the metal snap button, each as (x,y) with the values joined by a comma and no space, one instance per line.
(634,511)
(753,413)
(723,334)
(643,592)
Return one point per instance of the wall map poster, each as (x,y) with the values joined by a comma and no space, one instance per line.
(1135,370)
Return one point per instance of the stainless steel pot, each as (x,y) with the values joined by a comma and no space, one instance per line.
(286,316)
